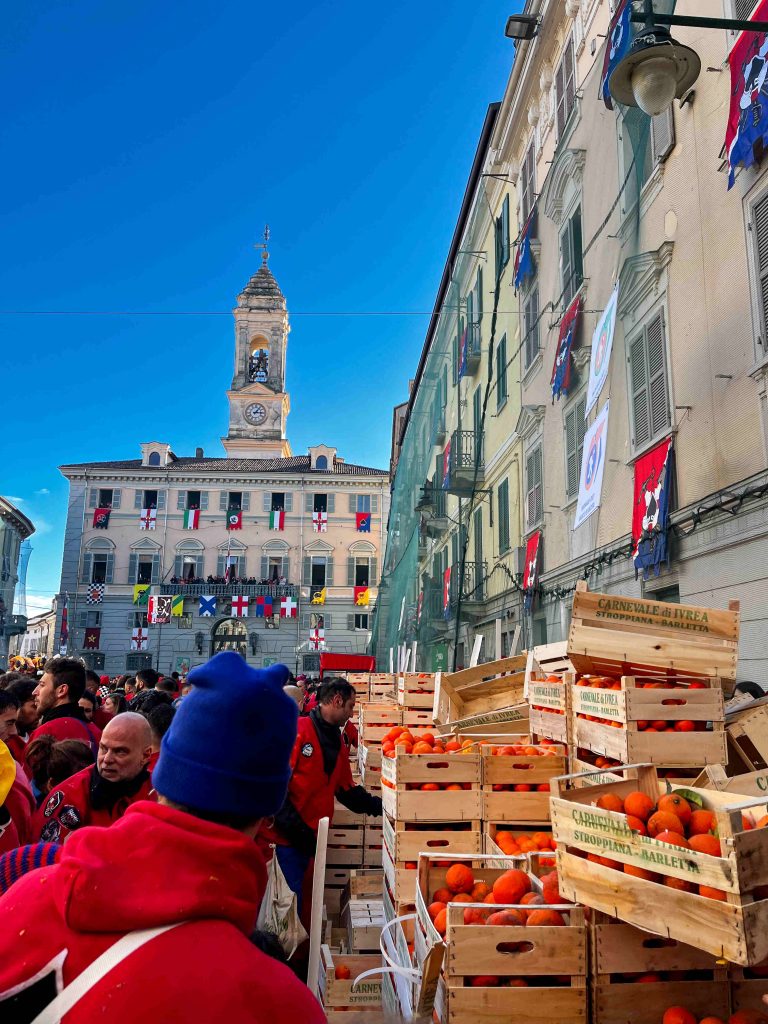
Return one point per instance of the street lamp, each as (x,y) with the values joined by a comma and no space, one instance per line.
(657,68)
(522,27)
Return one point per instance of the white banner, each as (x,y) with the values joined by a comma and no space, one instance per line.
(592,466)
(602,343)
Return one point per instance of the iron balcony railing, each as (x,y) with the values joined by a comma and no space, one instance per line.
(226,589)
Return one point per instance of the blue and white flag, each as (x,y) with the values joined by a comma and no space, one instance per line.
(207,606)
(524,265)
(602,344)
(592,467)
(616,47)
(746,135)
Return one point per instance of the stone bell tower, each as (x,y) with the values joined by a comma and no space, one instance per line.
(258,402)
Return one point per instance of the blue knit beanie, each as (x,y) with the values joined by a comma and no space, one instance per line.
(229,745)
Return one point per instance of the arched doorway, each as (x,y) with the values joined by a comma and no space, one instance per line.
(229,635)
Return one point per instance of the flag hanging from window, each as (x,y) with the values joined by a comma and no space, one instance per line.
(362,596)
(447,593)
(240,606)
(64,633)
(288,608)
(159,609)
(207,607)
(235,519)
(746,136)
(616,47)
(139,639)
(148,519)
(462,367)
(177,605)
(363,522)
(531,570)
(101,518)
(277,519)
(263,607)
(320,522)
(92,638)
(192,519)
(654,480)
(318,596)
(141,593)
(447,466)
(95,593)
(561,371)
(602,344)
(592,467)
(317,637)
(524,265)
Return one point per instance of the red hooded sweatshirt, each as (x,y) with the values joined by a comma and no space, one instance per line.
(153,867)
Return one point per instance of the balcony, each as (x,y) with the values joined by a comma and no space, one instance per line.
(466,468)
(227,589)
(432,611)
(473,586)
(473,348)
(15,625)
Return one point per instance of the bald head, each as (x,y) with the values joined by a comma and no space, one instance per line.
(125,747)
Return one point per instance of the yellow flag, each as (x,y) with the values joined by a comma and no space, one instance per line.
(319,596)
(177,605)
(362,596)
(140,595)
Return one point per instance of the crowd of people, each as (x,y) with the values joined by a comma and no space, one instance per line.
(250,581)
(138,816)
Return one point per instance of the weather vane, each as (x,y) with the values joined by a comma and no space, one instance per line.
(263,245)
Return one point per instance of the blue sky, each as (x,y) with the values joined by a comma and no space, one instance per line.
(146,145)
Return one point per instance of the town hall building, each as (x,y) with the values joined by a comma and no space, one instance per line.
(169,559)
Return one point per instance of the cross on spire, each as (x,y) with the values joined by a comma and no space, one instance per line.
(263,245)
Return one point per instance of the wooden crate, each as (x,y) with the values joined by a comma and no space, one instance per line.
(338,994)
(345,846)
(584,767)
(609,630)
(546,660)
(333,899)
(748,737)
(411,770)
(618,950)
(363,882)
(368,756)
(363,919)
(519,769)
(549,709)
(621,711)
(376,720)
(400,877)
(404,844)
(418,720)
(337,877)
(383,686)
(492,829)
(475,695)
(735,930)
(344,818)
(416,689)
(747,989)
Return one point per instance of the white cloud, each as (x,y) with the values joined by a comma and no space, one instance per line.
(37,603)
(14,500)
(43,492)
(40,525)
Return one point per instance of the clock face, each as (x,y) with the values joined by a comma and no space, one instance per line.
(255,413)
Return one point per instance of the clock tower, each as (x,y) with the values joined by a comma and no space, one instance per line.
(258,402)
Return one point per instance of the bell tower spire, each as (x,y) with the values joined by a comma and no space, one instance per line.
(258,402)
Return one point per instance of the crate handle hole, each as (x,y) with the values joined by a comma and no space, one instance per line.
(513,948)
(437,842)
(659,943)
(674,703)
(438,764)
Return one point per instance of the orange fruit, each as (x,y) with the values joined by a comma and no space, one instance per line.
(610,802)
(430,787)
(490,898)
(545,919)
(422,748)
(434,908)
(701,822)
(542,840)
(506,918)
(473,915)
(673,839)
(636,825)
(673,803)
(649,876)
(748,1017)
(442,896)
(454,787)
(711,1020)
(484,981)
(663,821)
(461,897)
(441,922)
(479,892)
(762,822)
(517,983)
(705,844)
(342,972)
(678,1015)
(549,888)
(712,894)
(678,883)
(507,842)
(638,805)
(511,886)
(428,737)
(451,746)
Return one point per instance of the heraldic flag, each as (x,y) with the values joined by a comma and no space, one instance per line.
(616,47)
(320,522)
(531,571)
(447,593)
(363,522)
(235,519)
(561,371)
(318,596)
(263,607)
(95,594)
(747,133)
(92,638)
(288,608)
(207,607)
(141,593)
(524,267)
(101,518)
(240,606)
(362,596)
(654,478)
(139,639)
(148,519)
(159,609)
(177,605)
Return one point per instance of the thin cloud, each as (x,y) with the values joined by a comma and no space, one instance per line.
(43,492)
(37,603)
(14,500)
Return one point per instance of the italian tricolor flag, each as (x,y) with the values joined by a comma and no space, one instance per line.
(192,519)
(277,520)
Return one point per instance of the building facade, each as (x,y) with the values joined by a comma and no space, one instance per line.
(609,198)
(38,639)
(15,528)
(261,551)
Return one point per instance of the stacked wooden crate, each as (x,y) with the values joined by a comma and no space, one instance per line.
(338,992)
(344,854)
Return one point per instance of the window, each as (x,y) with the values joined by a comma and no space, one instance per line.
(151,498)
(649,393)
(565,89)
(531,326)
(503,515)
(454,360)
(153,460)
(534,497)
(364,503)
(88,619)
(318,570)
(94,660)
(571,260)
(528,181)
(234,499)
(539,631)
(188,563)
(501,238)
(759,223)
(192,500)
(275,566)
(310,663)
(278,501)
(236,564)
(501,373)
(359,620)
(320,503)
(183,621)
(575,428)
(135,662)
(647,146)
(361,571)
(321,462)
(106,494)
(144,569)
(144,566)
(316,620)
(138,620)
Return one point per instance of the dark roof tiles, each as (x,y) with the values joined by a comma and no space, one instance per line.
(294,464)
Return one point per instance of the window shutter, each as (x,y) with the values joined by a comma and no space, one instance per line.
(305,620)
(82,620)
(539,485)
(326,622)
(285,568)
(138,499)
(505,230)
(181,501)
(350,571)
(454,360)
(657,376)
(663,135)
(87,560)
(117,495)
(331,503)
(742,9)
(566,263)
(571,472)
(160,500)
(220,565)
(264,567)
(760,226)
(203,500)
(329,572)
(178,565)
(246,501)
(93,497)
(223,501)
(199,563)
(374,503)
(373,572)
(641,420)
(479,288)
(133,568)
(470,314)
(306,571)
(289,502)
(267,502)
(560,97)
(353,503)
(350,622)
(155,568)
(309,502)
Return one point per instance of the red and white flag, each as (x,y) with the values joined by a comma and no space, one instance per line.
(320,522)
(277,519)
(159,609)
(148,519)
(531,571)
(288,608)
(192,519)
(317,638)
(139,639)
(240,606)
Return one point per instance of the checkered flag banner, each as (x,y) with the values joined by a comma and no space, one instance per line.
(95,593)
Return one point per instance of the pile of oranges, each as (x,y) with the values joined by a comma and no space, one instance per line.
(401,739)
(555,681)
(672,820)
(546,748)
(654,725)
(680,1015)
(513,843)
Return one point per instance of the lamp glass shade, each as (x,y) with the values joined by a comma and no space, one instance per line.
(654,84)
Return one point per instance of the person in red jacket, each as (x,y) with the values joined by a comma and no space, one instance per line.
(24,692)
(187,864)
(57,694)
(320,774)
(100,793)
(19,802)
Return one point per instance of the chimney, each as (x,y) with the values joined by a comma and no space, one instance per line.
(198,453)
